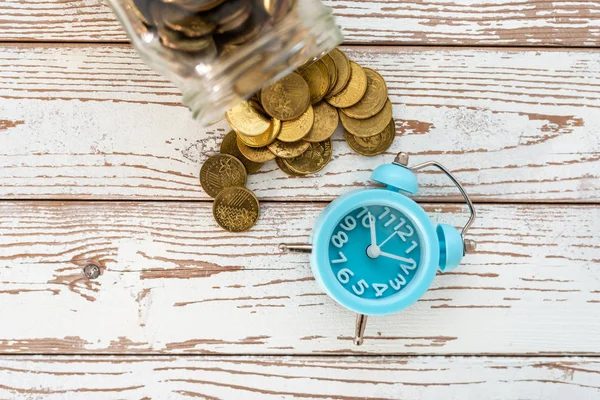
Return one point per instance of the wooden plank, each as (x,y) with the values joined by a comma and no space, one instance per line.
(439,22)
(92,121)
(97,377)
(173,282)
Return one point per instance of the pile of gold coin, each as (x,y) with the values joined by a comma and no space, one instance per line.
(292,121)
(208,28)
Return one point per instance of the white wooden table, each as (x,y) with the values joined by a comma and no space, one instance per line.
(99,161)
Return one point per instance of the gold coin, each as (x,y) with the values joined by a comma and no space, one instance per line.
(141,9)
(265,139)
(246,120)
(370,126)
(342,67)
(317,77)
(287,98)
(178,41)
(312,160)
(256,154)
(331,70)
(230,15)
(229,146)
(296,129)
(221,171)
(354,90)
(236,209)
(326,122)
(195,5)
(373,145)
(283,166)
(278,9)
(373,100)
(186,22)
(288,150)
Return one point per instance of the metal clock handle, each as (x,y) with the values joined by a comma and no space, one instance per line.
(402,159)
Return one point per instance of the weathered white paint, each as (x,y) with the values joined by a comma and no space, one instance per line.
(93,122)
(423,378)
(174,282)
(440,22)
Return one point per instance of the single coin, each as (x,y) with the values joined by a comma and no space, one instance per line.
(374,99)
(296,129)
(248,31)
(314,159)
(325,124)
(230,15)
(288,150)
(265,139)
(331,71)
(236,209)
(186,22)
(256,154)
(373,145)
(342,66)
(354,90)
(221,171)
(229,146)
(370,126)
(282,166)
(246,120)
(278,9)
(287,98)
(195,5)
(178,41)
(317,77)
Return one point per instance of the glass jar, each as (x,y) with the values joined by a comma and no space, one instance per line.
(220,52)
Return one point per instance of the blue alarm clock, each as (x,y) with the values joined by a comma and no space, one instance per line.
(376,251)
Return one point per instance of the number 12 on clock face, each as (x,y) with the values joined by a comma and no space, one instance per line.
(374,251)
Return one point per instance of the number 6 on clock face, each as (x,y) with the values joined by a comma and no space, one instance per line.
(374,252)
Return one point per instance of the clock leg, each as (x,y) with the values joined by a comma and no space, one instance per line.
(361,324)
(295,248)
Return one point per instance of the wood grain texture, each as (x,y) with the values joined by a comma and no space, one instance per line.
(423,22)
(80,122)
(173,282)
(366,378)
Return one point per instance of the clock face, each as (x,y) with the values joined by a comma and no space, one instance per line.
(374,252)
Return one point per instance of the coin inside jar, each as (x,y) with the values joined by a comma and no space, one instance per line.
(195,5)
(317,77)
(229,146)
(325,123)
(354,90)
(178,41)
(278,9)
(314,159)
(296,129)
(247,120)
(230,15)
(221,171)
(287,98)
(288,150)
(236,209)
(186,22)
(373,145)
(374,99)
(256,154)
(370,126)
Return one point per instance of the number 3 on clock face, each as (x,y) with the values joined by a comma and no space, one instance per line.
(374,252)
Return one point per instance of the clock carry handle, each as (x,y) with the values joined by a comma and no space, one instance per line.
(402,160)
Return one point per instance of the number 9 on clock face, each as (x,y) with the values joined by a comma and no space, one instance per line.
(374,252)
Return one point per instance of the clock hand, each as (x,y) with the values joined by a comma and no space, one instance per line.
(388,239)
(395,257)
(372,228)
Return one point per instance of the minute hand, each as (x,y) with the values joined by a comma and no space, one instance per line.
(395,257)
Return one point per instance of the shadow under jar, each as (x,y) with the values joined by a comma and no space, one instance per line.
(220,52)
